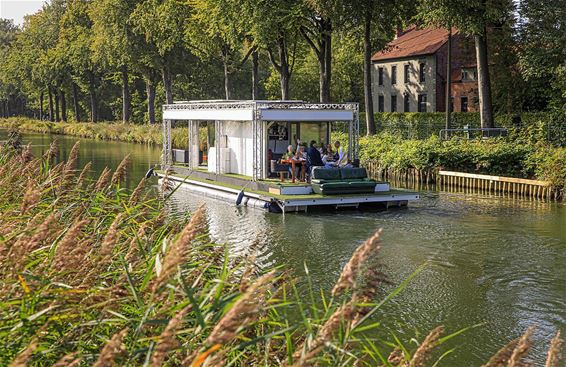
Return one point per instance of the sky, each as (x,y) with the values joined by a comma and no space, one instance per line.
(16,9)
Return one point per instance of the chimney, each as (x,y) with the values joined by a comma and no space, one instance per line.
(399,32)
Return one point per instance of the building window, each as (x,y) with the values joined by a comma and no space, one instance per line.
(406,103)
(393,103)
(406,73)
(422,103)
(469,75)
(393,75)
(422,72)
(380,103)
(464,104)
(380,76)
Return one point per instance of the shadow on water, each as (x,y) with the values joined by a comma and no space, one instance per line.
(492,260)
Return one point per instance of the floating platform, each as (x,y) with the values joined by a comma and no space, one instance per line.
(281,197)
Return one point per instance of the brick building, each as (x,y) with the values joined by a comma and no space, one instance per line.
(409,74)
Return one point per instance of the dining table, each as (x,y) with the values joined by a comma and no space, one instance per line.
(294,162)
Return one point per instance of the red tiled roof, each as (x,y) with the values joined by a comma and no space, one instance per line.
(414,42)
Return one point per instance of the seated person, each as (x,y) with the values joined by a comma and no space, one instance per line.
(328,159)
(313,157)
(289,153)
(339,151)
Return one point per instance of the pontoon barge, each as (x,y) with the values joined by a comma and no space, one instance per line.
(233,146)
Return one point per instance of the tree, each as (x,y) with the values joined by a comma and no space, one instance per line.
(75,42)
(375,20)
(473,17)
(162,23)
(319,16)
(542,54)
(220,28)
(274,27)
(8,33)
(114,42)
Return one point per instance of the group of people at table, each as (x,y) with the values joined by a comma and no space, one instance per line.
(303,159)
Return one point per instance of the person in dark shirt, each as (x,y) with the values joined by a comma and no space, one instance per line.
(313,157)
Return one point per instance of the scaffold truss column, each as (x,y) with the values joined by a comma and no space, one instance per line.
(257,142)
(356,131)
(167,154)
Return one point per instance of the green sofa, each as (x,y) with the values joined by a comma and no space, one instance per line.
(336,181)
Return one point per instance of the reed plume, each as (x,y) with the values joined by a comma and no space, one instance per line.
(502,356)
(350,273)
(120,172)
(110,238)
(102,181)
(52,152)
(135,196)
(554,356)
(304,356)
(67,245)
(167,340)
(69,360)
(242,313)
(26,156)
(31,197)
(521,349)
(111,350)
(73,157)
(177,253)
(396,357)
(427,346)
(23,358)
(82,176)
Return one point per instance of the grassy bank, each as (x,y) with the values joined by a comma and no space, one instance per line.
(132,133)
(97,275)
(512,158)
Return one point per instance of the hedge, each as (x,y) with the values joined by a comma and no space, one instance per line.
(531,126)
(496,156)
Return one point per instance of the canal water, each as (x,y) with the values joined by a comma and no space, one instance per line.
(497,262)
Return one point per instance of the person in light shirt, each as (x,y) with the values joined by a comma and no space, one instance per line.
(341,156)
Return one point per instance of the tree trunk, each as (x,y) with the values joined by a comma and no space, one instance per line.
(368,97)
(51,114)
(57,114)
(285,72)
(63,106)
(255,75)
(76,106)
(484,87)
(326,62)
(93,97)
(41,105)
(126,99)
(449,79)
(150,91)
(167,84)
(226,80)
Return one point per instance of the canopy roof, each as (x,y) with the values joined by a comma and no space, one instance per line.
(225,110)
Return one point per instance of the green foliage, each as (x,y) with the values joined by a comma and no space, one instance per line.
(495,156)
(528,127)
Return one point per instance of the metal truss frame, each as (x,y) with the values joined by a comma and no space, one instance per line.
(259,130)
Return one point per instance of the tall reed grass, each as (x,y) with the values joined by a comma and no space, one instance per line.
(93,274)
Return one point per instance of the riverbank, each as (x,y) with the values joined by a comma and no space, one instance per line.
(520,157)
(131,133)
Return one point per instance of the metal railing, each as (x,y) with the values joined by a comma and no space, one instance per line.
(473,133)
